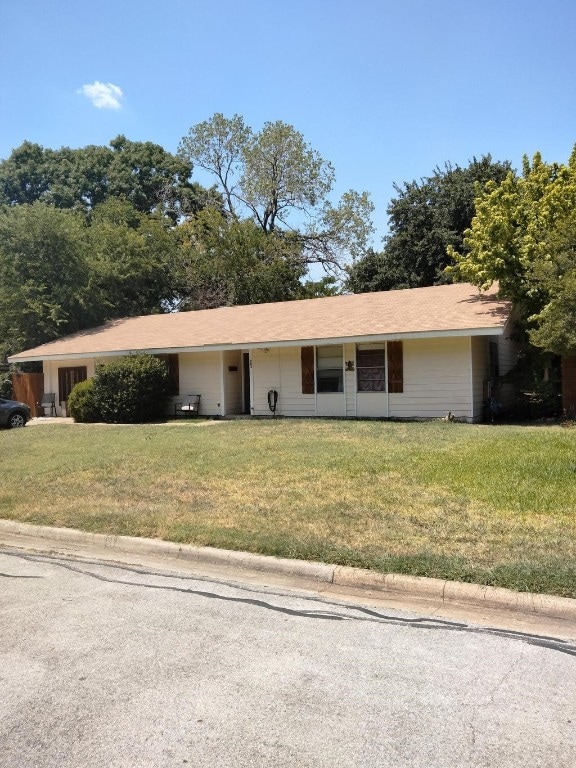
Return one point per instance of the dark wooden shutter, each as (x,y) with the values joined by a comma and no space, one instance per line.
(307,361)
(172,364)
(395,367)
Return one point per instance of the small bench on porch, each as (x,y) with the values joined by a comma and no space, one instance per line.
(188,408)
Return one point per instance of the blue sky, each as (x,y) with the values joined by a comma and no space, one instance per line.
(384,90)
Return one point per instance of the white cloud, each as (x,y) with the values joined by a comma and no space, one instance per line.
(103,95)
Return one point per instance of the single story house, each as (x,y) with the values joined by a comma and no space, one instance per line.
(412,353)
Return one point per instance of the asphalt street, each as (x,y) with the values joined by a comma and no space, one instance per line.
(124,666)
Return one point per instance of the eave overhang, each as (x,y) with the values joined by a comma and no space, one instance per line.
(248,345)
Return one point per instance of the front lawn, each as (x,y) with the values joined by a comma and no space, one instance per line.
(494,505)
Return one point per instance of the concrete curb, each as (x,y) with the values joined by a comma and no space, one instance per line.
(457,592)
(168,550)
(418,587)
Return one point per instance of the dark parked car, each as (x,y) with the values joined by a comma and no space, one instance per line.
(13,413)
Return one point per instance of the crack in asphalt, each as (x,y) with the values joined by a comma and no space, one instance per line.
(366,614)
(15,576)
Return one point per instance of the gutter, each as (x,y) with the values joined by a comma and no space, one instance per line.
(22,357)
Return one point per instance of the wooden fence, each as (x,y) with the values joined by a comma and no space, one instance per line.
(29,388)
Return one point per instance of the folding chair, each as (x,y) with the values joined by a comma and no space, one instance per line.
(49,402)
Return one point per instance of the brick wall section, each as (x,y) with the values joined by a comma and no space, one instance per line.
(569,385)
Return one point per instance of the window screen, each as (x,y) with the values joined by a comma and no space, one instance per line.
(371,369)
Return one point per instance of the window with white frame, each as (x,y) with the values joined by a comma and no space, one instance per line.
(329,369)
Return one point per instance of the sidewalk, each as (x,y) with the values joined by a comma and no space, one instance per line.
(38,420)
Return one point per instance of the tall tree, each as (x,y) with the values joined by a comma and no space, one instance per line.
(217,146)
(23,176)
(276,179)
(426,217)
(132,259)
(224,263)
(43,275)
(524,236)
(142,172)
(60,273)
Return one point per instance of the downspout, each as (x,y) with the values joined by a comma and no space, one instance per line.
(471,358)
(344,380)
(251,367)
(222,403)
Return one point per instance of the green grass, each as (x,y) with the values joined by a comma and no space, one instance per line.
(493,505)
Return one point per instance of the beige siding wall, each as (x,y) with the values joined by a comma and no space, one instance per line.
(51,367)
(294,403)
(233,383)
(479,347)
(350,381)
(279,369)
(265,376)
(507,349)
(201,374)
(440,375)
(437,379)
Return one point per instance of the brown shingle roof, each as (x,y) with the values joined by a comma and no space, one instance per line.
(440,310)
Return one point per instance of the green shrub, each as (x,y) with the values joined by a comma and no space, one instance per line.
(131,390)
(82,404)
(542,400)
(538,385)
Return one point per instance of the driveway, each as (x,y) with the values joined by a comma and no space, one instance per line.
(124,666)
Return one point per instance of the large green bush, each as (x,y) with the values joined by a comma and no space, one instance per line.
(131,390)
(82,405)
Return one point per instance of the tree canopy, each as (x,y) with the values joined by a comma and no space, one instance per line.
(224,263)
(132,261)
(92,234)
(524,236)
(95,233)
(43,275)
(426,217)
(61,272)
(278,181)
(148,176)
